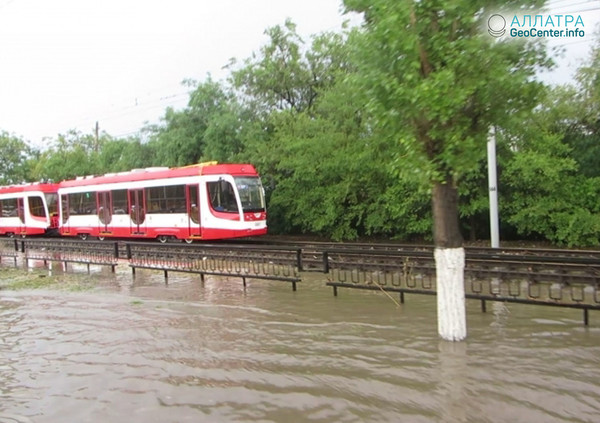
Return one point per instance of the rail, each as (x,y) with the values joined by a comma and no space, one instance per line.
(268,263)
(71,251)
(525,279)
(9,249)
(561,278)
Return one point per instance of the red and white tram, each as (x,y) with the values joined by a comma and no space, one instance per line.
(199,202)
(28,209)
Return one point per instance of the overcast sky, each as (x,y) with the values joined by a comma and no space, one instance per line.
(69,63)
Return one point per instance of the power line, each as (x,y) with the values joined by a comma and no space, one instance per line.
(109,115)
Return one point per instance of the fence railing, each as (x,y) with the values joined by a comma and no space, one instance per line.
(573,283)
(280,264)
(564,280)
(9,249)
(71,251)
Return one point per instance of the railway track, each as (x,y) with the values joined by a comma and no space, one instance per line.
(555,277)
(312,252)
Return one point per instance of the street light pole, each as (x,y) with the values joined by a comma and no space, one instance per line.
(493,189)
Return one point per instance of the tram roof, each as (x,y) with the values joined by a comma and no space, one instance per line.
(34,186)
(163,173)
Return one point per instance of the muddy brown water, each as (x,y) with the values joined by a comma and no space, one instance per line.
(137,350)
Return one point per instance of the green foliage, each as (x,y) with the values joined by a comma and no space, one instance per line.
(350,131)
(179,142)
(548,194)
(14,167)
(210,128)
(68,156)
(75,154)
(119,155)
(582,129)
(284,76)
(416,66)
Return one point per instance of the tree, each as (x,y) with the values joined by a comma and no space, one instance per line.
(285,75)
(13,161)
(552,179)
(69,155)
(416,64)
(208,128)
(583,129)
(324,171)
(120,155)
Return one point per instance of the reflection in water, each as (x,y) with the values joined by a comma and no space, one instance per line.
(139,350)
(453,382)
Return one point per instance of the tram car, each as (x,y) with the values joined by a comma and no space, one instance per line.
(29,209)
(206,201)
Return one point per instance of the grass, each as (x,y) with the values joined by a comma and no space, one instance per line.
(20,279)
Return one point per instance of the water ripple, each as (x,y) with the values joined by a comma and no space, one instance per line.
(269,355)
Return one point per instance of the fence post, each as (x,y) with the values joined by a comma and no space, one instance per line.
(299,259)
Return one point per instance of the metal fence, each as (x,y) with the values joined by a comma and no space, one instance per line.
(280,264)
(538,280)
(71,251)
(565,279)
(9,249)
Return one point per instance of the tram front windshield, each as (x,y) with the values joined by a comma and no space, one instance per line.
(251,193)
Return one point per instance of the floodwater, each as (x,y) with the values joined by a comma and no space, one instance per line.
(137,350)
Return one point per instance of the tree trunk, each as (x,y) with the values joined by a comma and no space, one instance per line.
(449,262)
(446,232)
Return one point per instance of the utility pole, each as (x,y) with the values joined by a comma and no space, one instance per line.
(97,140)
(493,187)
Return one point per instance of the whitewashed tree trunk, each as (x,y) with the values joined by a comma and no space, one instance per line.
(450,266)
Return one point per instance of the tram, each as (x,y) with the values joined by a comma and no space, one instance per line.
(206,201)
(29,209)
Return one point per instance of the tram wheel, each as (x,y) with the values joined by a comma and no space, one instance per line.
(163,239)
(188,240)
(83,237)
(101,238)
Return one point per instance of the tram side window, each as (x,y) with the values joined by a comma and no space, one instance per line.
(82,203)
(168,199)
(8,207)
(64,204)
(222,196)
(36,207)
(119,199)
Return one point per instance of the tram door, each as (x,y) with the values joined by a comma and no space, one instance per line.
(104,211)
(193,210)
(65,213)
(21,214)
(137,211)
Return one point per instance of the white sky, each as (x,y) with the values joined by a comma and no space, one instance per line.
(66,64)
(69,63)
